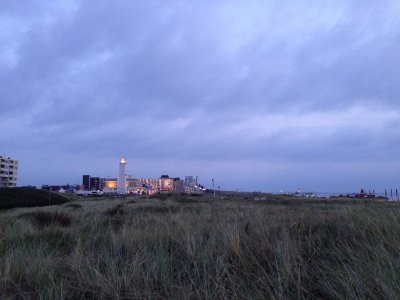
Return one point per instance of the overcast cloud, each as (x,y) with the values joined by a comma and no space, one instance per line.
(260,95)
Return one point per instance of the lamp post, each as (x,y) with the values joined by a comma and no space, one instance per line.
(213,186)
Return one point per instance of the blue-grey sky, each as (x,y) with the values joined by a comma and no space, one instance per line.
(260,95)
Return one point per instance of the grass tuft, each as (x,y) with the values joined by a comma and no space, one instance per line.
(74,205)
(47,218)
(115,210)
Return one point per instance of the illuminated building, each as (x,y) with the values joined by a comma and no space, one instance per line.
(147,186)
(133,185)
(166,184)
(154,182)
(8,171)
(92,183)
(96,183)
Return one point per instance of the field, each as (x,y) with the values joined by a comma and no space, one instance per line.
(188,247)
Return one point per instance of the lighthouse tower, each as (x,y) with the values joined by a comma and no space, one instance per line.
(122,176)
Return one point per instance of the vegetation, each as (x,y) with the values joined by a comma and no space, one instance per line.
(191,247)
(28,197)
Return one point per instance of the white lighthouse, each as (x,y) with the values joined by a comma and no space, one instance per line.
(122,176)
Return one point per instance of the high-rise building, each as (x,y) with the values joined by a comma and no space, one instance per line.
(179,185)
(86,182)
(190,184)
(122,176)
(96,183)
(190,181)
(8,171)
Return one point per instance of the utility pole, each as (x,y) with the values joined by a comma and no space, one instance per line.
(213,186)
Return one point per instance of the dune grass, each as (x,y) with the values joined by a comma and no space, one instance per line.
(28,197)
(185,247)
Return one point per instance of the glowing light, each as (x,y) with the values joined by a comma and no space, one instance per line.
(123,160)
(111,184)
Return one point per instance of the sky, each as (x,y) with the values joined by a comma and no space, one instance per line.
(259,95)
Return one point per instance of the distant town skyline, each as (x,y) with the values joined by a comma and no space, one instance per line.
(260,96)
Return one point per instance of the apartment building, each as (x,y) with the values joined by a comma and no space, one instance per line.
(8,171)
(166,183)
(179,185)
(92,183)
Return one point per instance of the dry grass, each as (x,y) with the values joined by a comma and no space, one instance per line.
(47,218)
(183,247)
(27,197)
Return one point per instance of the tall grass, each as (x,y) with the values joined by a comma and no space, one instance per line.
(28,197)
(194,248)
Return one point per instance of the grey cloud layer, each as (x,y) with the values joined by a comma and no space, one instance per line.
(231,81)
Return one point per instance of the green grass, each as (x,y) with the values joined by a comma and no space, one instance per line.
(27,197)
(191,247)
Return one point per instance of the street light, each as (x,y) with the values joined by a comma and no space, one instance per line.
(213,186)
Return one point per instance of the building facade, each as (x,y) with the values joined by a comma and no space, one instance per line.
(86,182)
(190,184)
(179,185)
(96,183)
(8,171)
(166,184)
(92,183)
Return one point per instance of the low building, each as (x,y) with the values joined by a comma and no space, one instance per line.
(110,185)
(67,188)
(8,171)
(133,185)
